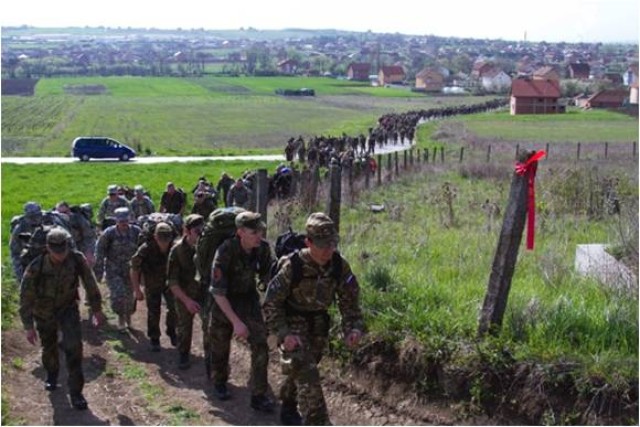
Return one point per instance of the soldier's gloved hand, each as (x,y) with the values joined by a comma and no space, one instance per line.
(98,319)
(32,336)
(353,338)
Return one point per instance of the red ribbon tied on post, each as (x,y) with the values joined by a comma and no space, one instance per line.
(530,167)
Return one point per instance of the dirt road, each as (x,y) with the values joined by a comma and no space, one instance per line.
(126,384)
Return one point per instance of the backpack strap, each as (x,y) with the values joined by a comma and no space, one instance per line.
(296,267)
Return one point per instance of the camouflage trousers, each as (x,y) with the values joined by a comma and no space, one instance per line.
(184,327)
(153,297)
(120,293)
(67,321)
(302,385)
(221,332)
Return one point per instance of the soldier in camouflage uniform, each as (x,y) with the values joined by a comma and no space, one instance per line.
(297,314)
(49,297)
(237,306)
(141,204)
(82,231)
(181,279)
(25,225)
(114,249)
(108,206)
(149,266)
(239,195)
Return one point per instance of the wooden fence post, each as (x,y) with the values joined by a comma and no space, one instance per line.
(395,160)
(488,153)
(379,169)
(546,149)
(367,174)
(262,197)
(578,152)
(426,155)
(517,151)
(335,194)
(389,163)
(506,254)
(441,154)
(405,160)
(461,154)
(606,150)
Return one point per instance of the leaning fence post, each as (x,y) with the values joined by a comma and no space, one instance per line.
(335,193)
(461,154)
(263,192)
(520,202)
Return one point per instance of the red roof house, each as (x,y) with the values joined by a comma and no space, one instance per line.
(390,74)
(359,71)
(535,97)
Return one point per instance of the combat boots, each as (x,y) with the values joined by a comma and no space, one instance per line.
(184,362)
(51,383)
(78,401)
(289,415)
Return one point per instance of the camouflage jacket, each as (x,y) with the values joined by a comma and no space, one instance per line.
(286,303)
(142,206)
(48,288)
(234,271)
(107,207)
(181,269)
(114,250)
(152,262)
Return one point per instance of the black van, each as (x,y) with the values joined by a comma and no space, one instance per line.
(96,147)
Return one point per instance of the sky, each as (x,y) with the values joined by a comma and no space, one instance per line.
(606,21)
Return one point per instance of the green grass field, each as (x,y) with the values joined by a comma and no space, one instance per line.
(208,116)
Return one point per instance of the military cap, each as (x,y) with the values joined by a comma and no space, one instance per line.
(163,231)
(138,189)
(57,239)
(321,230)
(122,214)
(250,220)
(193,220)
(32,208)
(112,189)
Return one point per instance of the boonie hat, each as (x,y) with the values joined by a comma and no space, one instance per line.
(32,208)
(138,189)
(122,214)
(57,239)
(321,230)
(112,189)
(163,231)
(250,220)
(193,220)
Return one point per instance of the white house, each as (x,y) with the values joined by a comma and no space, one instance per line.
(495,80)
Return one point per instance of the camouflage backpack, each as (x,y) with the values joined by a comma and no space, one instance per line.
(219,226)
(36,243)
(149,222)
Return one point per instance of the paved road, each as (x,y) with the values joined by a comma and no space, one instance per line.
(148,160)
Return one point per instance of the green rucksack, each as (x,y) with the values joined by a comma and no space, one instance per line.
(219,226)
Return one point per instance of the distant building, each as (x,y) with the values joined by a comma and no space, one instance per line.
(390,74)
(495,80)
(535,97)
(633,93)
(546,73)
(429,80)
(609,98)
(359,71)
(288,66)
(578,70)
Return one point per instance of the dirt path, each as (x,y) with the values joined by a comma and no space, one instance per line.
(126,384)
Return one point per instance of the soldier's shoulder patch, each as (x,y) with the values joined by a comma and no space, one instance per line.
(217,274)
